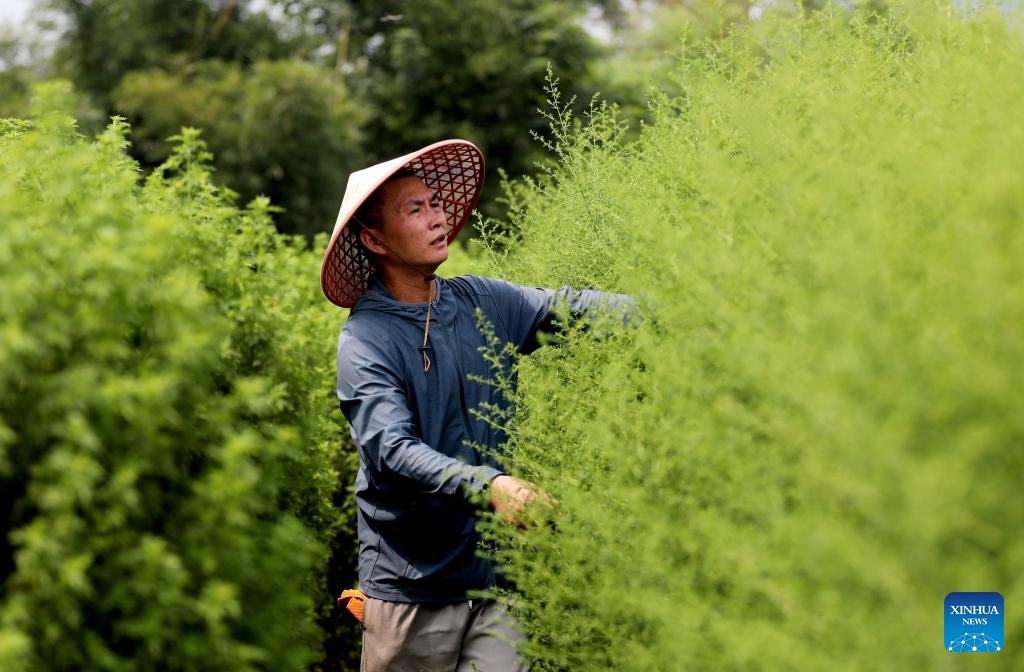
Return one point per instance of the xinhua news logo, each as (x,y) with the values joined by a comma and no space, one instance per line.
(974,622)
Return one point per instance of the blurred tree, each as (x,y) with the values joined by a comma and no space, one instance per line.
(14,75)
(284,129)
(107,38)
(280,129)
(421,71)
(425,70)
(647,44)
(443,71)
(434,69)
(25,55)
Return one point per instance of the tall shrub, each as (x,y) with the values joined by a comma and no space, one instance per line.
(168,435)
(813,431)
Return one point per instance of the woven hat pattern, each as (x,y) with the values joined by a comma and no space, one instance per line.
(453,169)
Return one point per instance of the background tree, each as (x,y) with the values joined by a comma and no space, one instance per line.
(422,71)
(435,68)
(107,38)
(646,46)
(278,127)
(284,129)
(14,78)
(380,79)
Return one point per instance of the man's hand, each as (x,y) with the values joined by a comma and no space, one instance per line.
(511,498)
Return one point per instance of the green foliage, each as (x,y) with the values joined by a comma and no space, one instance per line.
(653,41)
(22,63)
(15,77)
(300,160)
(108,38)
(169,470)
(441,71)
(290,131)
(14,92)
(813,431)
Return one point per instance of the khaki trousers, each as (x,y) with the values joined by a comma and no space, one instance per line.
(471,636)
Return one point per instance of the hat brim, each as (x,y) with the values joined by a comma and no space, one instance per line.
(453,169)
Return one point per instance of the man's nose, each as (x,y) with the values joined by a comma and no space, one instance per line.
(439,220)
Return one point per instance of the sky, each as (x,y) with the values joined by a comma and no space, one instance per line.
(14,11)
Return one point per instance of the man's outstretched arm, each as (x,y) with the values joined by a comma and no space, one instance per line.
(529,311)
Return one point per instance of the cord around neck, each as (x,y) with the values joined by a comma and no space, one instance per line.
(426,328)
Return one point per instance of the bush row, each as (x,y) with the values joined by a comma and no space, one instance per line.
(173,476)
(812,434)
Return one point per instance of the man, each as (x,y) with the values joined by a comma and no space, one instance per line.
(408,360)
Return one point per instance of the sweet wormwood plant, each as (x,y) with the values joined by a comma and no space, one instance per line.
(168,434)
(814,432)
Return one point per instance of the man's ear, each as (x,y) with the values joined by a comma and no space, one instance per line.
(370,240)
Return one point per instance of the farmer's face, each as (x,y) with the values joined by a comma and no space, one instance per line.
(412,222)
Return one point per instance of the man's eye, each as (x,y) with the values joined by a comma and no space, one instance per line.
(414,211)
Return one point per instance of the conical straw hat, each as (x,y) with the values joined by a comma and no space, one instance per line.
(453,169)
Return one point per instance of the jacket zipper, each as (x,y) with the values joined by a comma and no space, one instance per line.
(462,393)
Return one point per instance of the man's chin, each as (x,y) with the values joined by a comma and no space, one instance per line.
(432,261)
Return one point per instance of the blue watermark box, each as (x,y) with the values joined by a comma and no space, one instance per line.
(974,622)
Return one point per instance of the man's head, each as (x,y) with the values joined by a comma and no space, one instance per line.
(373,230)
(403,226)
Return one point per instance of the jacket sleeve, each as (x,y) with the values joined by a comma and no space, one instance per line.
(373,400)
(528,311)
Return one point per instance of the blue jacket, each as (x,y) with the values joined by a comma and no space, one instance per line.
(414,430)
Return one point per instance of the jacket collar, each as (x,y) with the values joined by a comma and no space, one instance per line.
(378,297)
